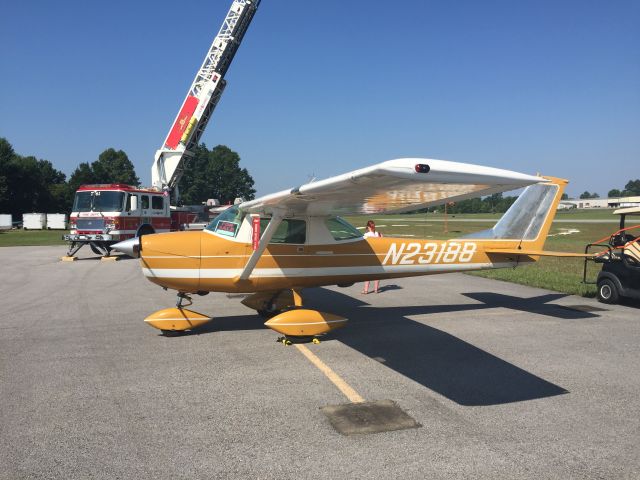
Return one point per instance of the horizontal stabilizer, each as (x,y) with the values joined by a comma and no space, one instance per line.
(539,253)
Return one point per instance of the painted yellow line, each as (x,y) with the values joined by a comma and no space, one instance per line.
(343,386)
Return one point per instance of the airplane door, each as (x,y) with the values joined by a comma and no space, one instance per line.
(284,256)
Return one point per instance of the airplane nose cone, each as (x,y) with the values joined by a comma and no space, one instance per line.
(129,247)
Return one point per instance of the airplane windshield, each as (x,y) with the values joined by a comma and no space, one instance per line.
(98,201)
(227,223)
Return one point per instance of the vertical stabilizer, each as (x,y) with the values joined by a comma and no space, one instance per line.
(529,219)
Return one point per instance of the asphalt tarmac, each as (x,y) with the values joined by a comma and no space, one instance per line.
(505,381)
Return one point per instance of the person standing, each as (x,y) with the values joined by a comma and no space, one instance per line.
(371,232)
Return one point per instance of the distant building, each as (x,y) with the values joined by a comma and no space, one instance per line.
(592,203)
(620,202)
(624,202)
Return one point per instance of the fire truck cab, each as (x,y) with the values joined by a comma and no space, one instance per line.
(105,214)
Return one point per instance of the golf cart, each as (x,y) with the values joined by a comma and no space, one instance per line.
(620,273)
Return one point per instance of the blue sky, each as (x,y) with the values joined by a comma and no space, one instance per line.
(320,88)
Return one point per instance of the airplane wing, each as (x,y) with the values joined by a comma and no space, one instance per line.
(394,186)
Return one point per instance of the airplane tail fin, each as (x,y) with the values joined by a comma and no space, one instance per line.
(528,221)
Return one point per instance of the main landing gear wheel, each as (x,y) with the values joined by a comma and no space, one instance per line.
(268,313)
(608,292)
(270,309)
(291,340)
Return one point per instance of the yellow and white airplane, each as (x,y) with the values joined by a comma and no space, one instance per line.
(277,245)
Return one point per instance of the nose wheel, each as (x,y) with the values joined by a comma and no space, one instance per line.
(184,316)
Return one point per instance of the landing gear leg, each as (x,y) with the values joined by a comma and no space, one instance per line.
(181,298)
(297,297)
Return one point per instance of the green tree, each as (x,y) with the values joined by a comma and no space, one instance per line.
(564,197)
(495,203)
(28,184)
(215,173)
(82,175)
(614,193)
(587,195)
(114,167)
(6,158)
(632,188)
(111,167)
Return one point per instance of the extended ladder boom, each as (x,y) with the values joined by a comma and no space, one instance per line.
(202,98)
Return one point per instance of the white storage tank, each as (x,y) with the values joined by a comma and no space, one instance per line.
(56,221)
(34,221)
(6,222)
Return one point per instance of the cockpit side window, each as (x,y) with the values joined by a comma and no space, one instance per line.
(289,231)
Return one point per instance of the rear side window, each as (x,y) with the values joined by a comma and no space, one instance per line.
(289,231)
(157,203)
(341,230)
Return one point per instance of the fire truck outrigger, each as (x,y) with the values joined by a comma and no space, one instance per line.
(105,214)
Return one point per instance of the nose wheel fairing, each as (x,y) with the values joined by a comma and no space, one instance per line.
(176,319)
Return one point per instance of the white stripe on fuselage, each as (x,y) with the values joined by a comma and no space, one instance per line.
(214,273)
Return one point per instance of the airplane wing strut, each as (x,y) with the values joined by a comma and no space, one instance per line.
(273,225)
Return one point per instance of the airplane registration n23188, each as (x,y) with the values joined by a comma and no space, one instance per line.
(275,246)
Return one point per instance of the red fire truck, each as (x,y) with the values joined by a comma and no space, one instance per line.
(106,214)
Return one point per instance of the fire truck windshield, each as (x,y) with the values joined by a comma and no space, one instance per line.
(98,201)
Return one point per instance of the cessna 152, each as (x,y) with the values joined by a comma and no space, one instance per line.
(276,245)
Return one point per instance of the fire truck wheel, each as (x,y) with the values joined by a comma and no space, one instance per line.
(145,229)
(607,291)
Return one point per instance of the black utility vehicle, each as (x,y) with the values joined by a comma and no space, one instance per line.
(620,273)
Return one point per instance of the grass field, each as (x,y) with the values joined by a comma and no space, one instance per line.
(12,238)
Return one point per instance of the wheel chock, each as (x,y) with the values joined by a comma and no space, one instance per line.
(110,259)
(68,259)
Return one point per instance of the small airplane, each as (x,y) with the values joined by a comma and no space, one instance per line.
(275,246)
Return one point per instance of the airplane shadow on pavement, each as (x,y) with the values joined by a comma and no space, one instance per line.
(438,360)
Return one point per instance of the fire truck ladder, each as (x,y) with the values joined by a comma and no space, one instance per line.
(201,99)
